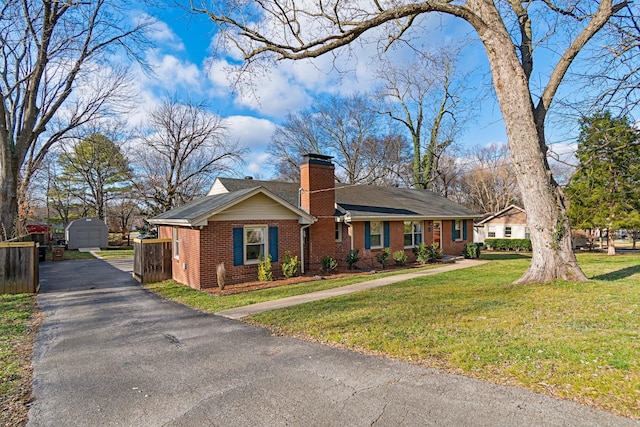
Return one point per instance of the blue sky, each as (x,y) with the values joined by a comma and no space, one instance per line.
(184,65)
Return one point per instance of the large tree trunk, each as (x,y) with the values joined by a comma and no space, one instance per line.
(8,195)
(8,206)
(611,243)
(553,255)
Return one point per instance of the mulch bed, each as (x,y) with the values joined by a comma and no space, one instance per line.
(252,286)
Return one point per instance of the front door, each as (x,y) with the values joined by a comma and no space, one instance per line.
(437,231)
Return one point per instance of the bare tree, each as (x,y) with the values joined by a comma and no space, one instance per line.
(122,213)
(48,49)
(447,182)
(426,97)
(509,31)
(366,150)
(487,183)
(180,151)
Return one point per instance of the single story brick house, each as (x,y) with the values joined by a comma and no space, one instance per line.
(509,223)
(241,219)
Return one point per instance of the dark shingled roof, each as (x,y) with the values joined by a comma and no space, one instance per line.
(198,207)
(372,201)
(368,200)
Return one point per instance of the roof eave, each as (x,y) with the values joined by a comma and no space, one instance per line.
(162,221)
(352,218)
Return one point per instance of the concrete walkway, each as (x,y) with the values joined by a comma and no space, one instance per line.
(248,310)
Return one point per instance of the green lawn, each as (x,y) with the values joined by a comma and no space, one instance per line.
(16,335)
(575,341)
(71,254)
(210,303)
(116,252)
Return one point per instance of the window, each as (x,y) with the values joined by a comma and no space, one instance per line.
(255,243)
(507,232)
(176,246)
(375,234)
(412,234)
(338,232)
(492,231)
(527,234)
(457,231)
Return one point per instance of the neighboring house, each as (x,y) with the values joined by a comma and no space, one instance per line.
(241,219)
(509,223)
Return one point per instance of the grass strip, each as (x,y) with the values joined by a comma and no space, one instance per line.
(115,253)
(18,325)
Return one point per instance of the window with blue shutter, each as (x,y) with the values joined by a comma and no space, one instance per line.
(453,230)
(367,235)
(464,229)
(238,246)
(273,243)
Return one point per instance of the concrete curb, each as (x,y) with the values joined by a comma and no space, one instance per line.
(248,310)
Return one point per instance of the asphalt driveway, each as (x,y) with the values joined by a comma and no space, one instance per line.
(112,353)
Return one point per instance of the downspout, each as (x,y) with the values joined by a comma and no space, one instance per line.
(347,222)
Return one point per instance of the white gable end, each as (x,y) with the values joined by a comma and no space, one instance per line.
(255,208)
(217,188)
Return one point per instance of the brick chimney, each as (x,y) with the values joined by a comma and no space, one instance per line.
(317,183)
(318,197)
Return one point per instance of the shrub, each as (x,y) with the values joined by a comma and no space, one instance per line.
(400,257)
(508,244)
(383,257)
(290,265)
(425,253)
(352,258)
(328,264)
(264,269)
(472,250)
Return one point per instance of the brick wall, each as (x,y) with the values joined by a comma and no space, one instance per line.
(396,236)
(202,250)
(450,247)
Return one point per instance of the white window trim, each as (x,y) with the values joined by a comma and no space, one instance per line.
(413,234)
(244,242)
(489,231)
(381,234)
(458,228)
(175,242)
(505,232)
(339,230)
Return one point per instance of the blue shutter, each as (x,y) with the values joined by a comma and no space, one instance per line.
(453,230)
(238,246)
(464,229)
(387,240)
(273,243)
(367,235)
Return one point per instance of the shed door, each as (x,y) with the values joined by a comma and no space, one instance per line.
(88,238)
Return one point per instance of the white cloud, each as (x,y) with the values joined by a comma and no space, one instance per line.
(171,72)
(250,132)
(160,33)
(259,165)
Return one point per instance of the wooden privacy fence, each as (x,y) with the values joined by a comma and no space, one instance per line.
(19,267)
(151,260)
